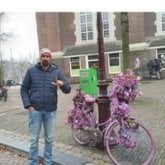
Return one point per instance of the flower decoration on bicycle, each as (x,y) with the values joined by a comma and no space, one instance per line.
(82,119)
(124,89)
(78,115)
(134,144)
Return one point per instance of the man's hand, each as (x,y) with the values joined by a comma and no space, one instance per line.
(58,83)
(30,109)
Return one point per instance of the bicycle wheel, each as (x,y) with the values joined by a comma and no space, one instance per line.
(141,152)
(82,135)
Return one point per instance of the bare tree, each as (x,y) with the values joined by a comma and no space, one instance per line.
(4,36)
(125,39)
(1,64)
(23,64)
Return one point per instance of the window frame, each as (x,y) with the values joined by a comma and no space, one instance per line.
(158,23)
(77,32)
(163,21)
(118,70)
(105,21)
(92,60)
(77,71)
(159,55)
(86,26)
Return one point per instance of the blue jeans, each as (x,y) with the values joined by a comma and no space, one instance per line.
(36,119)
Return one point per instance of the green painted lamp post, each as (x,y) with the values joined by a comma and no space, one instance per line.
(103,100)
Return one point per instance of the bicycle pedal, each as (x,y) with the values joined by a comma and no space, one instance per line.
(91,144)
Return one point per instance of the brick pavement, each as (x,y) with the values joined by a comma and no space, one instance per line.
(149,108)
(11,157)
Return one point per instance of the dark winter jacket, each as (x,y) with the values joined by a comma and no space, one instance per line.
(37,89)
(157,65)
(150,66)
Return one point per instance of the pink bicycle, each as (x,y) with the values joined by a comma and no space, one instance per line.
(127,141)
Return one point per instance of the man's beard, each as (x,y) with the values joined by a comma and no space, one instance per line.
(45,63)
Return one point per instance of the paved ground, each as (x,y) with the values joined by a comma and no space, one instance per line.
(11,157)
(149,108)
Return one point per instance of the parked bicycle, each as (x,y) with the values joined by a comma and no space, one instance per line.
(3,93)
(127,141)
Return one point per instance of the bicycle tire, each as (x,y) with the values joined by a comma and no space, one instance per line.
(141,154)
(81,135)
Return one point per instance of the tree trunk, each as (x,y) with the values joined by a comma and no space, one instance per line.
(125,39)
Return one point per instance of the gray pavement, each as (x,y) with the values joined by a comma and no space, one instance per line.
(148,108)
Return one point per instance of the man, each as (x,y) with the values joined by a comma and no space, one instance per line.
(150,66)
(157,63)
(39,96)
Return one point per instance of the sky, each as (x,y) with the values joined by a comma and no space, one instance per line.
(21,18)
(24,42)
(81,5)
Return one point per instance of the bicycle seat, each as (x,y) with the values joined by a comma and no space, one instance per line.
(89,99)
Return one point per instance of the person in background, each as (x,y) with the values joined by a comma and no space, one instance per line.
(157,64)
(137,63)
(137,66)
(39,97)
(150,66)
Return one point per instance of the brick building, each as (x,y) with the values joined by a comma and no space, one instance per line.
(72,37)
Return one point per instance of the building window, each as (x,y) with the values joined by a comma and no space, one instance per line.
(161,56)
(75,66)
(105,20)
(93,61)
(163,21)
(86,27)
(160,23)
(114,63)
